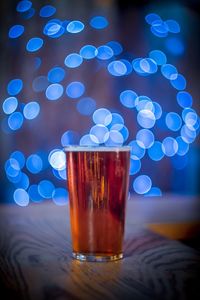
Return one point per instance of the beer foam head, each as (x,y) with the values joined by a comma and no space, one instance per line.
(96,148)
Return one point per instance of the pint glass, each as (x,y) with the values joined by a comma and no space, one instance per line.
(98,179)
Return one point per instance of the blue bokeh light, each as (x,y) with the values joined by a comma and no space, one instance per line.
(135,165)
(56,74)
(16,31)
(159,28)
(154,192)
(173,121)
(145,138)
(88,52)
(54,91)
(144,104)
(10,105)
(169,146)
(12,167)
(88,140)
(34,194)
(73,60)
(75,27)
(169,71)
(44,156)
(188,134)
(104,52)
(14,87)
(127,98)
(184,99)
(20,196)
(23,5)
(173,26)
(191,119)
(28,14)
(56,173)
(114,138)
(34,163)
(86,106)
(146,118)
(115,119)
(99,22)
(13,163)
(45,189)
(99,131)
(175,45)
(129,67)
(54,28)
(158,56)
(19,157)
(186,111)
(60,196)
(116,47)
(157,110)
(196,126)
(57,160)
(123,130)
(23,183)
(69,137)
(179,83)
(31,110)
(14,177)
(34,44)
(142,184)
(40,84)
(117,68)
(157,33)
(15,120)
(102,116)
(148,65)
(137,68)
(183,147)
(156,152)
(137,149)
(62,174)
(47,11)
(150,18)
(75,89)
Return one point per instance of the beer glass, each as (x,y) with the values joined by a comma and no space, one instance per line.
(98,179)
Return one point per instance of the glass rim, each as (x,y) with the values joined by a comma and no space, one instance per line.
(77,148)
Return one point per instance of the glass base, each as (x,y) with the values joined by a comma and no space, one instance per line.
(97,258)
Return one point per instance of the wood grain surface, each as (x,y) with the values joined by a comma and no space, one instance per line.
(36,263)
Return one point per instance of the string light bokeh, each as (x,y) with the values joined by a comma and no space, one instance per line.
(155,132)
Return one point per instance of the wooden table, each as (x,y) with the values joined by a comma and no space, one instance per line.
(36,263)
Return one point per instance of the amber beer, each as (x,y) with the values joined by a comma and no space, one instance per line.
(98,180)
